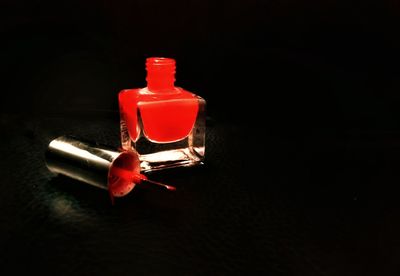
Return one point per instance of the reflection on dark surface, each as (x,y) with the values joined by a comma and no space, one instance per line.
(77,203)
(64,198)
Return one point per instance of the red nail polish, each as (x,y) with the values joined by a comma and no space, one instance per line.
(165,124)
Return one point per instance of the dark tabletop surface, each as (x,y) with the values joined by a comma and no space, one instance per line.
(302,148)
(316,204)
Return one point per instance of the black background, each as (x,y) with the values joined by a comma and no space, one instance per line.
(303,137)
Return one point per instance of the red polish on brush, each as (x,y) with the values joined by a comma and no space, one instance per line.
(122,181)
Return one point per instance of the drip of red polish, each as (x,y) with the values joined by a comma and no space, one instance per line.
(142,177)
(112,198)
(123,181)
(171,188)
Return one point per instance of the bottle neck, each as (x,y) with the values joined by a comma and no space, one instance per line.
(160,74)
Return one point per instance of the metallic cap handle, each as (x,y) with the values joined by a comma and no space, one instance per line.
(93,164)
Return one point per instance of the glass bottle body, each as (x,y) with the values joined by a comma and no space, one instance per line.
(166,128)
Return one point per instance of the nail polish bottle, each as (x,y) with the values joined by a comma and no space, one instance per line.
(165,124)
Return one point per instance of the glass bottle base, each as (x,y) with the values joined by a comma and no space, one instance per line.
(157,156)
(169,159)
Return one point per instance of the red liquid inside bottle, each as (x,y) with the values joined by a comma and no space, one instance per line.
(165,124)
